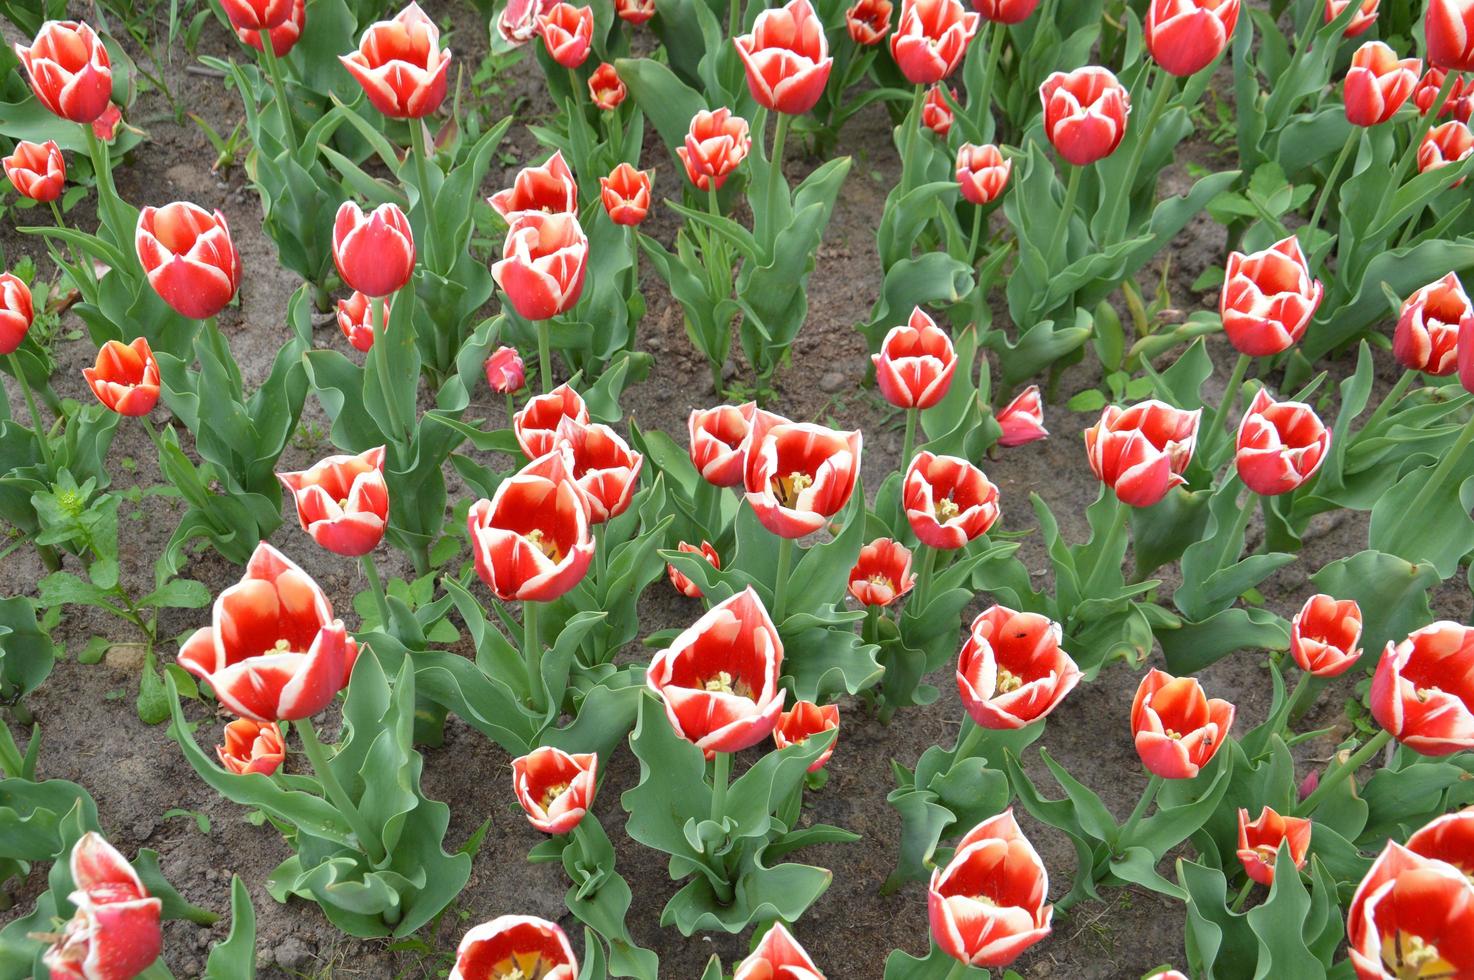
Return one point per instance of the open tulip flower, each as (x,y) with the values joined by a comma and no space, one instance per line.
(343,501)
(1423,691)
(1449,838)
(868,21)
(604,467)
(69,70)
(1448,26)
(374,252)
(114,933)
(1378,84)
(567,33)
(1178,729)
(1447,144)
(803,721)
(1012,672)
(683,584)
(883,573)
(1325,636)
(916,361)
(548,188)
(948,501)
(189,258)
(989,904)
(625,194)
(283,36)
(787,58)
(505,372)
(555,788)
(401,66)
(1361,21)
(716,144)
(125,377)
(37,170)
(1411,916)
(256,15)
(355,319)
(778,957)
(634,11)
(1281,445)
(982,172)
(1427,334)
(1006,11)
(515,946)
(536,426)
(1141,452)
(719,440)
(1259,842)
(252,746)
(931,38)
(606,89)
(1084,114)
(543,263)
(798,474)
(1186,36)
(16,312)
(1268,298)
(1022,420)
(531,541)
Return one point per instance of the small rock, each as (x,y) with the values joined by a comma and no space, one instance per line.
(832,381)
(729,369)
(292,954)
(125,656)
(143,828)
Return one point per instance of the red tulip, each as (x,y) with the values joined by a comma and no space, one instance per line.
(798,474)
(883,573)
(16,312)
(1427,335)
(1140,452)
(105,126)
(401,66)
(1378,84)
(719,440)
(719,679)
(931,39)
(716,145)
(536,426)
(778,957)
(343,501)
(1325,636)
(256,15)
(517,23)
(374,252)
(936,115)
(868,21)
(1186,36)
(634,11)
(1449,838)
(1006,11)
(1168,975)
(1449,143)
(1259,842)
(355,319)
(988,904)
(37,170)
(803,721)
(1423,690)
(605,88)
(915,365)
(982,172)
(114,932)
(1411,916)
(1364,17)
(567,32)
(189,258)
(285,35)
(549,188)
(1011,670)
(626,194)
(1085,114)
(604,466)
(500,948)
(273,652)
(125,377)
(1178,729)
(1448,27)
(1268,298)
(1457,105)
(532,541)
(1280,445)
(948,501)
(683,584)
(543,263)
(252,746)
(69,70)
(555,788)
(1022,419)
(1464,353)
(786,57)
(505,373)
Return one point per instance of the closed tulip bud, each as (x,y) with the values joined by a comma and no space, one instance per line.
(1364,18)
(982,172)
(544,259)
(401,66)
(125,377)
(189,258)
(1178,729)
(555,788)
(1457,105)
(505,372)
(716,144)
(256,15)
(719,678)
(16,312)
(273,651)
(1325,636)
(536,426)
(1005,11)
(1449,143)
(1259,842)
(786,57)
(1186,36)
(802,722)
(931,39)
(284,36)
(948,501)
(114,932)
(374,252)
(1280,445)
(605,87)
(604,466)
(634,11)
(1378,84)
(1423,690)
(517,23)
(1427,335)
(719,440)
(356,321)
(567,33)
(343,501)
(1411,916)
(1141,452)
(1268,298)
(69,70)
(679,580)
(883,573)
(1308,785)
(1448,27)
(797,474)
(487,949)
(916,362)
(988,904)
(251,747)
(626,194)
(1022,420)
(548,189)
(868,21)
(532,540)
(1449,838)
(105,126)
(936,115)
(778,957)
(37,170)
(1085,114)
(1011,671)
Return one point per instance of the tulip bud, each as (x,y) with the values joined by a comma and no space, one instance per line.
(931,39)
(1378,84)
(778,957)
(604,466)
(801,723)
(1423,690)
(1005,11)
(605,88)
(486,949)
(505,373)
(256,15)
(1259,842)
(719,440)
(69,70)
(948,501)
(1268,298)
(343,501)
(916,362)
(1457,105)
(531,541)
(251,747)
(1022,420)
(1141,452)
(125,377)
(1177,728)
(936,115)
(1280,445)
(400,65)
(37,170)
(988,904)
(189,258)
(105,126)
(355,319)
(1011,671)
(1308,785)
(1325,636)
(1409,918)
(548,189)
(1084,114)
(543,262)
(634,11)
(1450,143)
(1448,27)
(567,33)
(786,57)
(716,145)
(883,573)
(114,931)
(797,474)
(982,172)
(1364,18)
(536,426)
(374,252)
(1186,36)
(16,312)
(1427,334)
(555,788)
(868,21)
(626,194)
(284,36)
(679,580)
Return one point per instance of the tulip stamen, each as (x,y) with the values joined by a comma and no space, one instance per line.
(543,543)
(1008,681)
(280,646)
(788,488)
(551,794)
(725,683)
(947,509)
(878,579)
(1411,957)
(1173,734)
(1424,693)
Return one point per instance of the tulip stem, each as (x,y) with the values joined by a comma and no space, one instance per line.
(958,971)
(775,174)
(1153,786)
(1060,234)
(1440,476)
(1161,98)
(380,321)
(544,354)
(1108,544)
(1230,398)
(977,234)
(990,74)
(1307,688)
(1338,775)
(511,408)
(1242,896)
(780,584)
(734,18)
(870,631)
(1352,139)
(427,200)
(273,69)
(376,586)
(1390,400)
(923,581)
(908,444)
(42,436)
(322,767)
(721,775)
(912,124)
(532,654)
(107,193)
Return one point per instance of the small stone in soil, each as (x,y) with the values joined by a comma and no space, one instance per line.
(292,954)
(832,382)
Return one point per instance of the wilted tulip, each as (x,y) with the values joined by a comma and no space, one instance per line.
(936,114)
(343,501)
(1448,27)
(497,950)
(778,957)
(948,501)
(1325,636)
(988,904)
(803,721)
(1005,11)
(543,263)
(401,66)
(1022,420)
(283,36)
(1178,729)
(1141,452)
(1427,334)
(1085,114)
(567,33)
(798,474)
(1011,670)
(1378,84)
(505,372)
(374,252)
(1268,298)
(549,188)
(355,319)
(1423,690)
(536,426)
(679,580)
(868,21)
(982,172)
(931,39)
(189,259)
(1280,445)
(634,11)
(605,87)
(16,312)
(716,145)
(1186,36)
(555,788)
(125,377)
(786,57)
(251,747)
(517,23)
(719,440)
(883,573)
(114,932)
(1365,16)
(626,194)
(1449,143)
(1259,842)
(1411,916)
(916,362)
(531,541)
(69,69)
(38,170)
(606,469)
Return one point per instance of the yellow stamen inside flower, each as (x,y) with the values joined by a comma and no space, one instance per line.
(1174,735)
(1410,957)
(879,579)
(552,793)
(947,509)
(787,488)
(280,646)
(1424,693)
(543,543)
(343,504)
(725,683)
(522,966)
(1008,681)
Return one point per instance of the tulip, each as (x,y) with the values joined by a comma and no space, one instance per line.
(786,57)
(1325,636)
(868,21)
(1005,11)
(1378,84)
(401,66)
(273,651)
(343,501)
(1465,353)
(1011,670)
(374,252)
(355,319)
(1449,838)
(501,948)
(1427,335)
(604,466)
(1449,143)
(252,746)
(37,170)
(532,541)
(1457,104)
(1423,690)
(1022,420)
(69,70)
(683,584)
(517,23)
(1448,27)
(719,678)
(1268,298)
(114,932)
(982,172)
(931,39)
(634,11)
(719,440)
(626,194)
(125,377)
(605,87)
(988,904)
(1178,729)
(1411,916)
(936,115)
(189,258)
(549,188)
(1365,16)
(716,144)
(256,15)
(1141,452)
(536,426)
(16,312)
(543,263)
(105,126)
(1259,842)
(1168,975)
(1280,445)
(798,474)
(555,788)
(803,721)
(883,573)
(505,373)
(948,501)
(284,36)
(567,33)
(778,957)
(1085,114)
(1186,36)
(915,365)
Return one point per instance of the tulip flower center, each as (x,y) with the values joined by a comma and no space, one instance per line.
(551,794)
(1174,735)
(543,543)
(1424,693)
(280,646)
(947,509)
(522,966)
(725,683)
(789,487)
(1412,957)
(1008,681)
(878,579)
